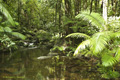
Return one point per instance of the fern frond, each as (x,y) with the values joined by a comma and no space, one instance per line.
(78,35)
(108,60)
(94,18)
(82,46)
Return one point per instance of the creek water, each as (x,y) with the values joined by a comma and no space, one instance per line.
(24,64)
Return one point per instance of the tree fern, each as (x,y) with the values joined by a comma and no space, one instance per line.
(94,18)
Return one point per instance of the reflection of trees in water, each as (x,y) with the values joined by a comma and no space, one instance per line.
(18,62)
(25,63)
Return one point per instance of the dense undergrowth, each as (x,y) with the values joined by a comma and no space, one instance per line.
(61,26)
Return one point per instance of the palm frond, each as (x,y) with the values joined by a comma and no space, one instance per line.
(96,43)
(82,46)
(99,41)
(19,35)
(78,35)
(4,11)
(117,55)
(94,18)
(108,60)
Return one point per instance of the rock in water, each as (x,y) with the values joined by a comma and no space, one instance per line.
(52,54)
(44,57)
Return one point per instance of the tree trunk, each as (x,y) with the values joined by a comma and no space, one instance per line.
(68,14)
(77,8)
(105,10)
(91,6)
(60,13)
(102,7)
(116,4)
(56,14)
(119,8)
(18,10)
(108,3)
(80,2)
(96,5)
(112,2)
(85,4)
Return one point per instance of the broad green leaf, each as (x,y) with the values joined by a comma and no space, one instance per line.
(7,29)
(19,35)
(1,29)
(4,11)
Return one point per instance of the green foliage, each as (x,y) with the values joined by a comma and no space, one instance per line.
(6,43)
(96,43)
(82,46)
(99,41)
(1,29)
(78,35)
(101,44)
(58,48)
(4,11)
(43,35)
(6,30)
(108,72)
(113,23)
(94,18)
(108,60)
(53,19)
(19,35)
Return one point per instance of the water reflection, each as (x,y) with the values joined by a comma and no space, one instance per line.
(24,65)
